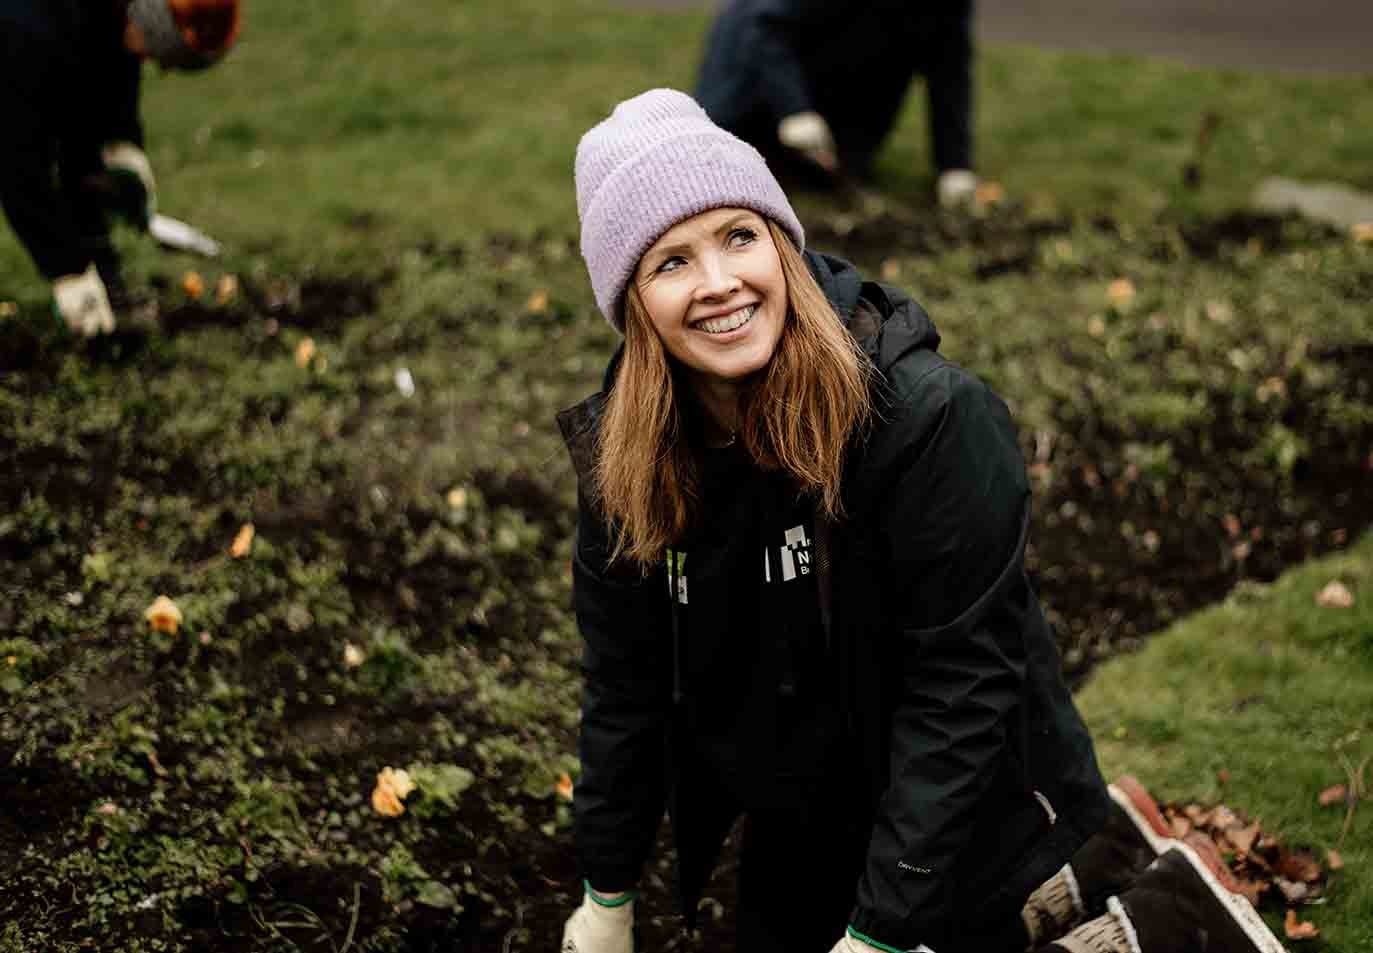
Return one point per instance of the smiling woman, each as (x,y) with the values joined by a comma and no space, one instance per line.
(799,577)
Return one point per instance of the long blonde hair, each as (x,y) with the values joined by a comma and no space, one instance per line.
(798,417)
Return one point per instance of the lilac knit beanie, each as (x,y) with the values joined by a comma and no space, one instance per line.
(658,159)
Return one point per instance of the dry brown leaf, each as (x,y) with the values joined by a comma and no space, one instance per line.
(1223,818)
(305,350)
(1361,232)
(1335,595)
(988,194)
(1120,292)
(8,309)
(1333,860)
(1181,827)
(1296,930)
(1335,794)
(243,541)
(564,786)
(1292,891)
(193,284)
(163,615)
(1243,838)
(1298,864)
(393,785)
(352,655)
(537,303)
(226,289)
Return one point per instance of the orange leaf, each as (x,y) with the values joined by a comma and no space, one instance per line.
(226,289)
(243,542)
(1335,595)
(1335,794)
(1333,860)
(193,284)
(305,350)
(564,786)
(537,303)
(1296,930)
(1299,865)
(163,615)
(1243,837)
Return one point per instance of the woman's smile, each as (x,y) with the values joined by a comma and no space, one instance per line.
(722,326)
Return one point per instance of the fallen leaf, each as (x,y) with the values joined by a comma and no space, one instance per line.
(305,350)
(393,785)
(1121,292)
(1223,776)
(226,289)
(163,615)
(537,303)
(1243,838)
(385,802)
(987,194)
(1223,819)
(352,655)
(8,309)
(1335,595)
(1335,794)
(1333,860)
(109,809)
(457,497)
(1296,930)
(243,542)
(1361,232)
(1095,326)
(193,284)
(1181,827)
(891,270)
(1299,865)
(564,786)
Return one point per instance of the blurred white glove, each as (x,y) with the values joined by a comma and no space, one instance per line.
(956,187)
(808,133)
(597,928)
(135,190)
(82,303)
(851,944)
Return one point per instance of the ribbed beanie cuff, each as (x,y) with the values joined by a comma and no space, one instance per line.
(658,159)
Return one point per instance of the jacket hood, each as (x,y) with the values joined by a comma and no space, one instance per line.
(887,322)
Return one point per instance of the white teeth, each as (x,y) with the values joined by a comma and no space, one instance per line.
(729,322)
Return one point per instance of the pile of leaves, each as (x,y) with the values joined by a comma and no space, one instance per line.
(1272,873)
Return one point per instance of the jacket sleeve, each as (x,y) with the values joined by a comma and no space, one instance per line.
(620,797)
(784,30)
(954,519)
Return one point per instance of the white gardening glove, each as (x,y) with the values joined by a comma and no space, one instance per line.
(851,944)
(956,187)
(808,133)
(595,927)
(131,176)
(82,303)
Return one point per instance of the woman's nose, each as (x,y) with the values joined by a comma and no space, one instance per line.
(717,280)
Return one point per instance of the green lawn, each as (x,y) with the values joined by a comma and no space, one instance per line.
(1278,693)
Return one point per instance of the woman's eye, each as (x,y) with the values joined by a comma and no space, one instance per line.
(742,236)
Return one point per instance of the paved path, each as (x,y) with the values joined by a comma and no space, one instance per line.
(1304,35)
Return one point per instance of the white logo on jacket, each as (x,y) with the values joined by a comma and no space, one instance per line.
(794,556)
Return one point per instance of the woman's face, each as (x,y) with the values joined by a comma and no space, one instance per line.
(714,290)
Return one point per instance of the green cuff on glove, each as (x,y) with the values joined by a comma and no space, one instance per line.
(619,901)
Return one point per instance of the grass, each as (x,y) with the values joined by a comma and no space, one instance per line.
(1273,691)
(393,185)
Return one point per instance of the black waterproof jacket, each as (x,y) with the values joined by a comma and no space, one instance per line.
(981,777)
(67,87)
(850,60)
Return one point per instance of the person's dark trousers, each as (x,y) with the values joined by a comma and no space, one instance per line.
(797,882)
